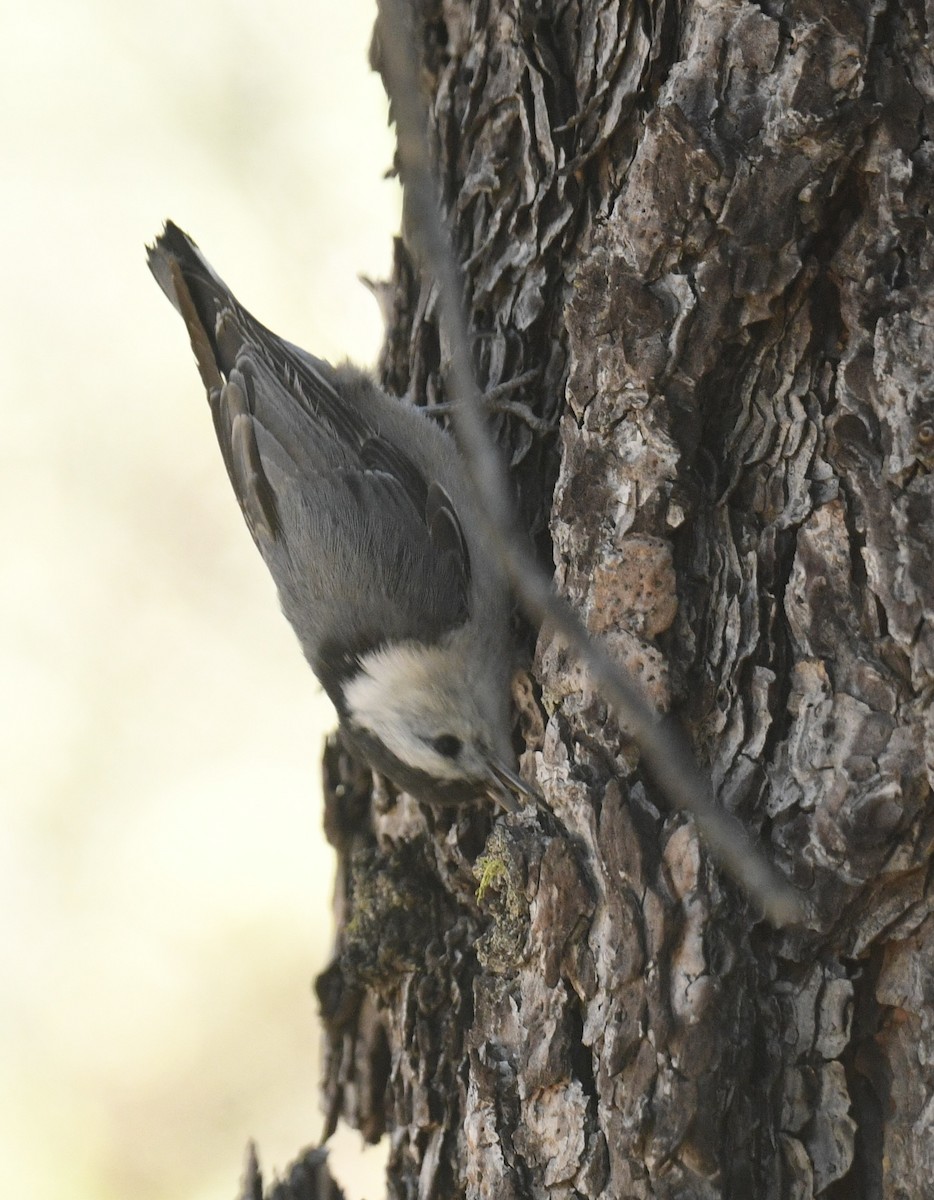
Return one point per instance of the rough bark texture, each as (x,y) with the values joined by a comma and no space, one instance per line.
(708,226)
(308,1178)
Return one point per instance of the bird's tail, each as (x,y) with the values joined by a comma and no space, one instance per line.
(218,328)
(200,295)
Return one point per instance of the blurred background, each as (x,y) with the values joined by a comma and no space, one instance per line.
(164,883)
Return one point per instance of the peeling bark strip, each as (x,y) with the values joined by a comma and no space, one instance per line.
(708,226)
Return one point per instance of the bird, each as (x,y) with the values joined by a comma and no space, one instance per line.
(364,513)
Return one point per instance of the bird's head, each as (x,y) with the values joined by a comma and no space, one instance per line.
(435,722)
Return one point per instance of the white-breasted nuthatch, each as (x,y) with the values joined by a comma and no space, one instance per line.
(361,507)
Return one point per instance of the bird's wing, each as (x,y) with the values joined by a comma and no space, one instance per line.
(363,547)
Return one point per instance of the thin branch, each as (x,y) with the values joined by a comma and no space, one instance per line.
(662,744)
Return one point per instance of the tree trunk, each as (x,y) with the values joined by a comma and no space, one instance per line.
(708,227)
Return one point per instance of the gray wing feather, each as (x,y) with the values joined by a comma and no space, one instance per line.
(362,543)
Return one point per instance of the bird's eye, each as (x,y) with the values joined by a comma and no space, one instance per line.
(447,745)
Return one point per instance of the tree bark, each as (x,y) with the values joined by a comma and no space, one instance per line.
(708,227)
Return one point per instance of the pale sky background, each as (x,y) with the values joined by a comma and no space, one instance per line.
(164,883)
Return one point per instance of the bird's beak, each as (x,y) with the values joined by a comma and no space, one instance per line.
(505,785)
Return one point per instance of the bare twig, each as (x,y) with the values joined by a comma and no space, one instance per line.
(663,746)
